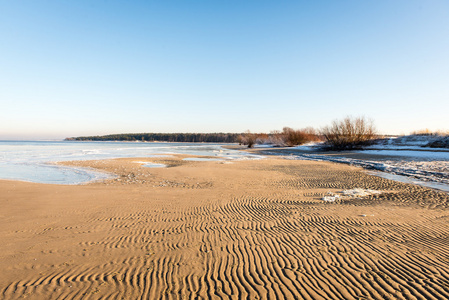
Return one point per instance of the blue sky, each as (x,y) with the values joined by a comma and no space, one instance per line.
(70,68)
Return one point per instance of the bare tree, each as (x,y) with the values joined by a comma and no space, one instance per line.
(349,133)
(298,137)
(247,138)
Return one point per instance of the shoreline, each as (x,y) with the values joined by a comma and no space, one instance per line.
(213,229)
(402,169)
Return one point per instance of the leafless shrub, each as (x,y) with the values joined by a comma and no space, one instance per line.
(262,138)
(277,138)
(247,138)
(349,133)
(286,137)
(299,137)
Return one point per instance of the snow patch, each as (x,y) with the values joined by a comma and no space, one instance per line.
(150,164)
(330,198)
(360,193)
(349,194)
(412,142)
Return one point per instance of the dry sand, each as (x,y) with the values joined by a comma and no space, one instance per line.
(248,229)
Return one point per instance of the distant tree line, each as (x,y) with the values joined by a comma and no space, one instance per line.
(163,137)
(346,134)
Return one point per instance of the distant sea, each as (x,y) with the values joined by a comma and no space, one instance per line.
(32,160)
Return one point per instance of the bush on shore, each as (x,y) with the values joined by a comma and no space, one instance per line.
(247,138)
(287,137)
(298,137)
(349,133)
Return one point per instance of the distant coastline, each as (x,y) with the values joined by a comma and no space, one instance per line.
(164,137)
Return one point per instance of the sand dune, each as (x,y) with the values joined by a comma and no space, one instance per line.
(246,230)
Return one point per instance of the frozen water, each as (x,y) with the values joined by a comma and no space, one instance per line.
(34,160)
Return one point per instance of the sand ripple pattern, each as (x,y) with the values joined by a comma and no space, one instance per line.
(281,244)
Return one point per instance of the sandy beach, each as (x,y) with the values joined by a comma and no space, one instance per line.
(251,229)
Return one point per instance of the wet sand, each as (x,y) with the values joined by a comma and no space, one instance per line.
(247,229)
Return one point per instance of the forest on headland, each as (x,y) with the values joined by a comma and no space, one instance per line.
(164,137)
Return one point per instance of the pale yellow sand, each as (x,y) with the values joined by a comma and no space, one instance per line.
(249,229)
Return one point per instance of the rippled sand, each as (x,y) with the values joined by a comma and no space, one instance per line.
(247,229)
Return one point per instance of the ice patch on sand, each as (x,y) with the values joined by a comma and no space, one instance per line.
(202,159)
(330,198)
(360,192)
(150,164)
(349,194)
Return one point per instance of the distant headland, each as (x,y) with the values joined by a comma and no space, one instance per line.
(164,137)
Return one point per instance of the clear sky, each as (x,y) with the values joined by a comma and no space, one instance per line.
(70,68)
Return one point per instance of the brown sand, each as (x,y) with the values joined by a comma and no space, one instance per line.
(249,229)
